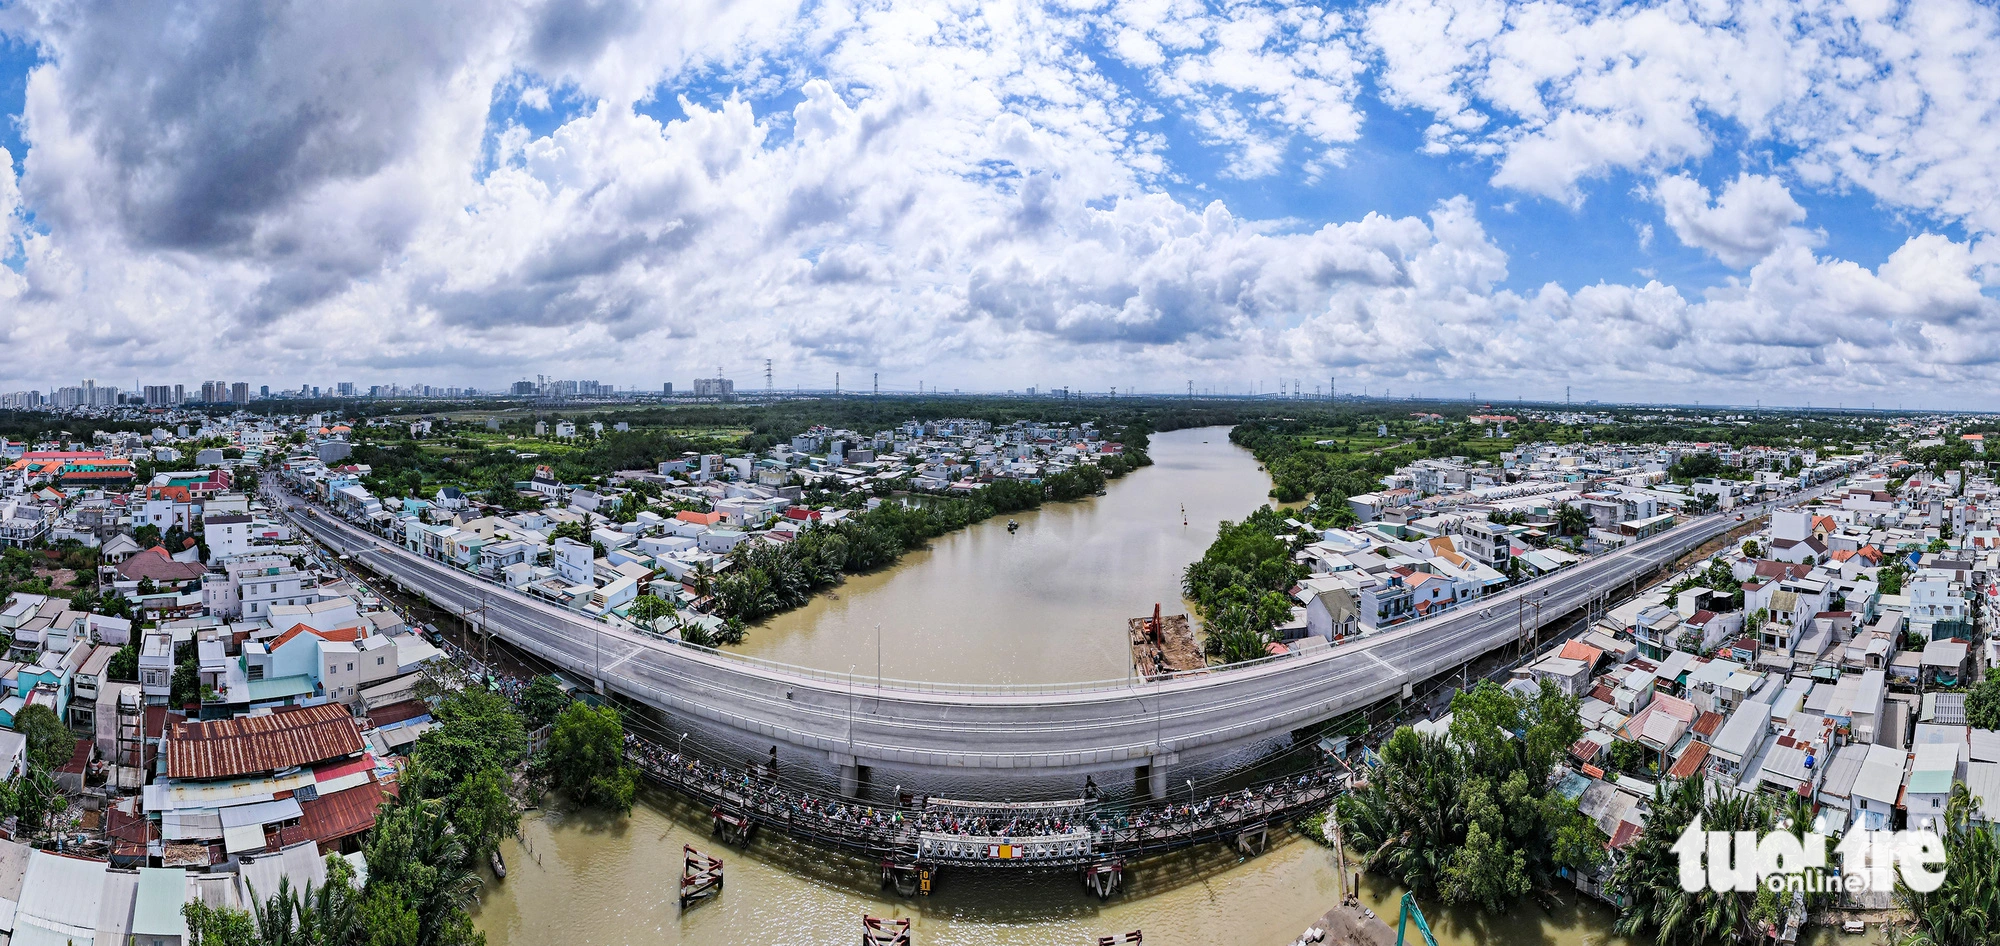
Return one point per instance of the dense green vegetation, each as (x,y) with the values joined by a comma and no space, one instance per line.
(1471,818)
(1239,586)
(1963,910)
(1982,702)
(586,758)
(1648,879)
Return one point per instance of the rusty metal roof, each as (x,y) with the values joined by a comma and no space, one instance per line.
(227,748)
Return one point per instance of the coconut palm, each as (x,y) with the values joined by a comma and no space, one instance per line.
(1648,877)
(1571,520)
(1966,908)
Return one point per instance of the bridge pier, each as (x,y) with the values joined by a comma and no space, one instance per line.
(851,773)
(1153,775)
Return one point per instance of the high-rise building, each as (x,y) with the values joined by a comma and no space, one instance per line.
(263,390)
(239,393)
(714,387)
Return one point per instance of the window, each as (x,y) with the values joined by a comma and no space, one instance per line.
(350,667)
(378,661)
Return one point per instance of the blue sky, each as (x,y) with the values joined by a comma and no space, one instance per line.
(1417,194)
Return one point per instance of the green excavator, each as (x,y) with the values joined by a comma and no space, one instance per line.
(1410,912)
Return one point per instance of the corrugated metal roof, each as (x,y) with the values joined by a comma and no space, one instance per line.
(246,837)
(329,818)
(199,825)
(225,748)
(61,893)
(260,813)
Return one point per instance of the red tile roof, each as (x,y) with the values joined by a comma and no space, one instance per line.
(226,748)
(1578,650)
(156,564)
(349,634)
(1626,834)
(1707,724)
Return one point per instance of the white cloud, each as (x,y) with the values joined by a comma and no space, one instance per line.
(1901,99)
(1754,216)
(959,189)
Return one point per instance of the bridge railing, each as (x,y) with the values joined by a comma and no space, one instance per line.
(869,683)
(915,833)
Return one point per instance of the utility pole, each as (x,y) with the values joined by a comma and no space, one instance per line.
(836,384)
(878,384)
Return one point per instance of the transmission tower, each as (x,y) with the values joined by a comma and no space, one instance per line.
(767,377)
(878,384)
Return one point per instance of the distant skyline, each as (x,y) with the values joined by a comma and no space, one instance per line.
(1650,202)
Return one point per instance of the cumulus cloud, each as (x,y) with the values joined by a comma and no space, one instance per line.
(1900,99)
(985,191)
(1754,216)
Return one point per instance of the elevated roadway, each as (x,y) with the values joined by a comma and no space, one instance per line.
(1032,730)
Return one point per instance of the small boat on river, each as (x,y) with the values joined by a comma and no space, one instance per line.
(499,866)
(1013,526)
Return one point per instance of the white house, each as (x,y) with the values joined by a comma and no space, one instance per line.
(227,534)
(572,562)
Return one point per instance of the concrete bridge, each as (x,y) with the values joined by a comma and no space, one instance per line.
(1031,730)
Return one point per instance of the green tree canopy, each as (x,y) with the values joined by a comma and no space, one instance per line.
(50,744)
(586,755)
(543,700)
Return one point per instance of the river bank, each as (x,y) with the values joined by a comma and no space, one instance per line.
(1047,603)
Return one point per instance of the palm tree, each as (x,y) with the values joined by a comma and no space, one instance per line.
(1648,877)
(1571,520)
(1966,907)
(704,578)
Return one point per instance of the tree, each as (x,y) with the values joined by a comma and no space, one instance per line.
(649,609)
(482,812)
(1571,519)
(703,578)
(147,535)
(1648,877)
(218,926)
(1470,816)
(1752,550)
(124,664)
(543,700)
(586,754)
(186,681)
(1982,703)
(50,744)
(1963,909)
(419,866)
(476,730)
